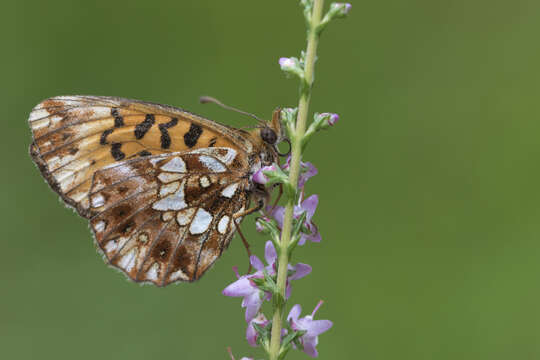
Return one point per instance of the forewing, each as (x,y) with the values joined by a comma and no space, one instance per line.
(75,136)
(167,218)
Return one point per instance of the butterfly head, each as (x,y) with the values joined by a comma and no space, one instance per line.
(268,135)
(271,132)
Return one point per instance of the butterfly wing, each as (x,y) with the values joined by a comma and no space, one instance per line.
(167,218)
(76,136)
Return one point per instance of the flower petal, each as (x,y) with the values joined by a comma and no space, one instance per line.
(288,290)
(313,237)
(256,262)
(270,254)
(310,171)
(278,214)
(253,304)
(310,205)
(317,327)
(309,348)
(300,270)
(294,313)
(240,287)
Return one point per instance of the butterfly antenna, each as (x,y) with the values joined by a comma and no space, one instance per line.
(208,99)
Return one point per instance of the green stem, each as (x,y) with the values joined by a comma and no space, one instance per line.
(296,154)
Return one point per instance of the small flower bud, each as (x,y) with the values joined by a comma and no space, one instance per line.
(259,177)
(324,121)
(291,66)
(268,175)
(332,118)
(337,10)
(288,117)
(286,63)
(253,331)
(260,224)
(289,114)
(340,9)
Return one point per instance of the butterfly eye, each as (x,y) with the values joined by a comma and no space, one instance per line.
(268,135)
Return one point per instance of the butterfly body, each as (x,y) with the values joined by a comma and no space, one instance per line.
(163,189)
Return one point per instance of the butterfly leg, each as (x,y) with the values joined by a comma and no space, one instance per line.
(259,206)
(246,245)
(277,199)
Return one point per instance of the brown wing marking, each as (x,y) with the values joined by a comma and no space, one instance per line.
(75,136)
(167,218)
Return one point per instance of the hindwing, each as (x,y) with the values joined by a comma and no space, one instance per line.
(167,218)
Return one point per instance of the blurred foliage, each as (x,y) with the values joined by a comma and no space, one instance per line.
(428,184)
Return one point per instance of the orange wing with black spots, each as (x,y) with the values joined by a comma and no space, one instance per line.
(75,136)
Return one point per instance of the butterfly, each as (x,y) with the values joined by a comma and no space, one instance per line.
(164,190)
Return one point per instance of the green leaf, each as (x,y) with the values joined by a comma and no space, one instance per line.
(263,333)
(270,227)
(296,233)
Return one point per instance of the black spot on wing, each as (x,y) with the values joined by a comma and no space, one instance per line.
(104,135)
(118,120)
(192,136)
(116,153)
(212,142)
(165,137)
(142,128)
(145,153)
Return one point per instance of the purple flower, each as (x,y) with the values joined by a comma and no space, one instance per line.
(251,333)
(307,171)
(298,271)
(309,206)
(313,328)
(259,176)
(244,287)
(331,118)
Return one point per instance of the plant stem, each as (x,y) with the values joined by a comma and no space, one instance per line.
(296,154)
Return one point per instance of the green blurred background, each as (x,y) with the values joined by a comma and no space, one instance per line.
(429,198)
